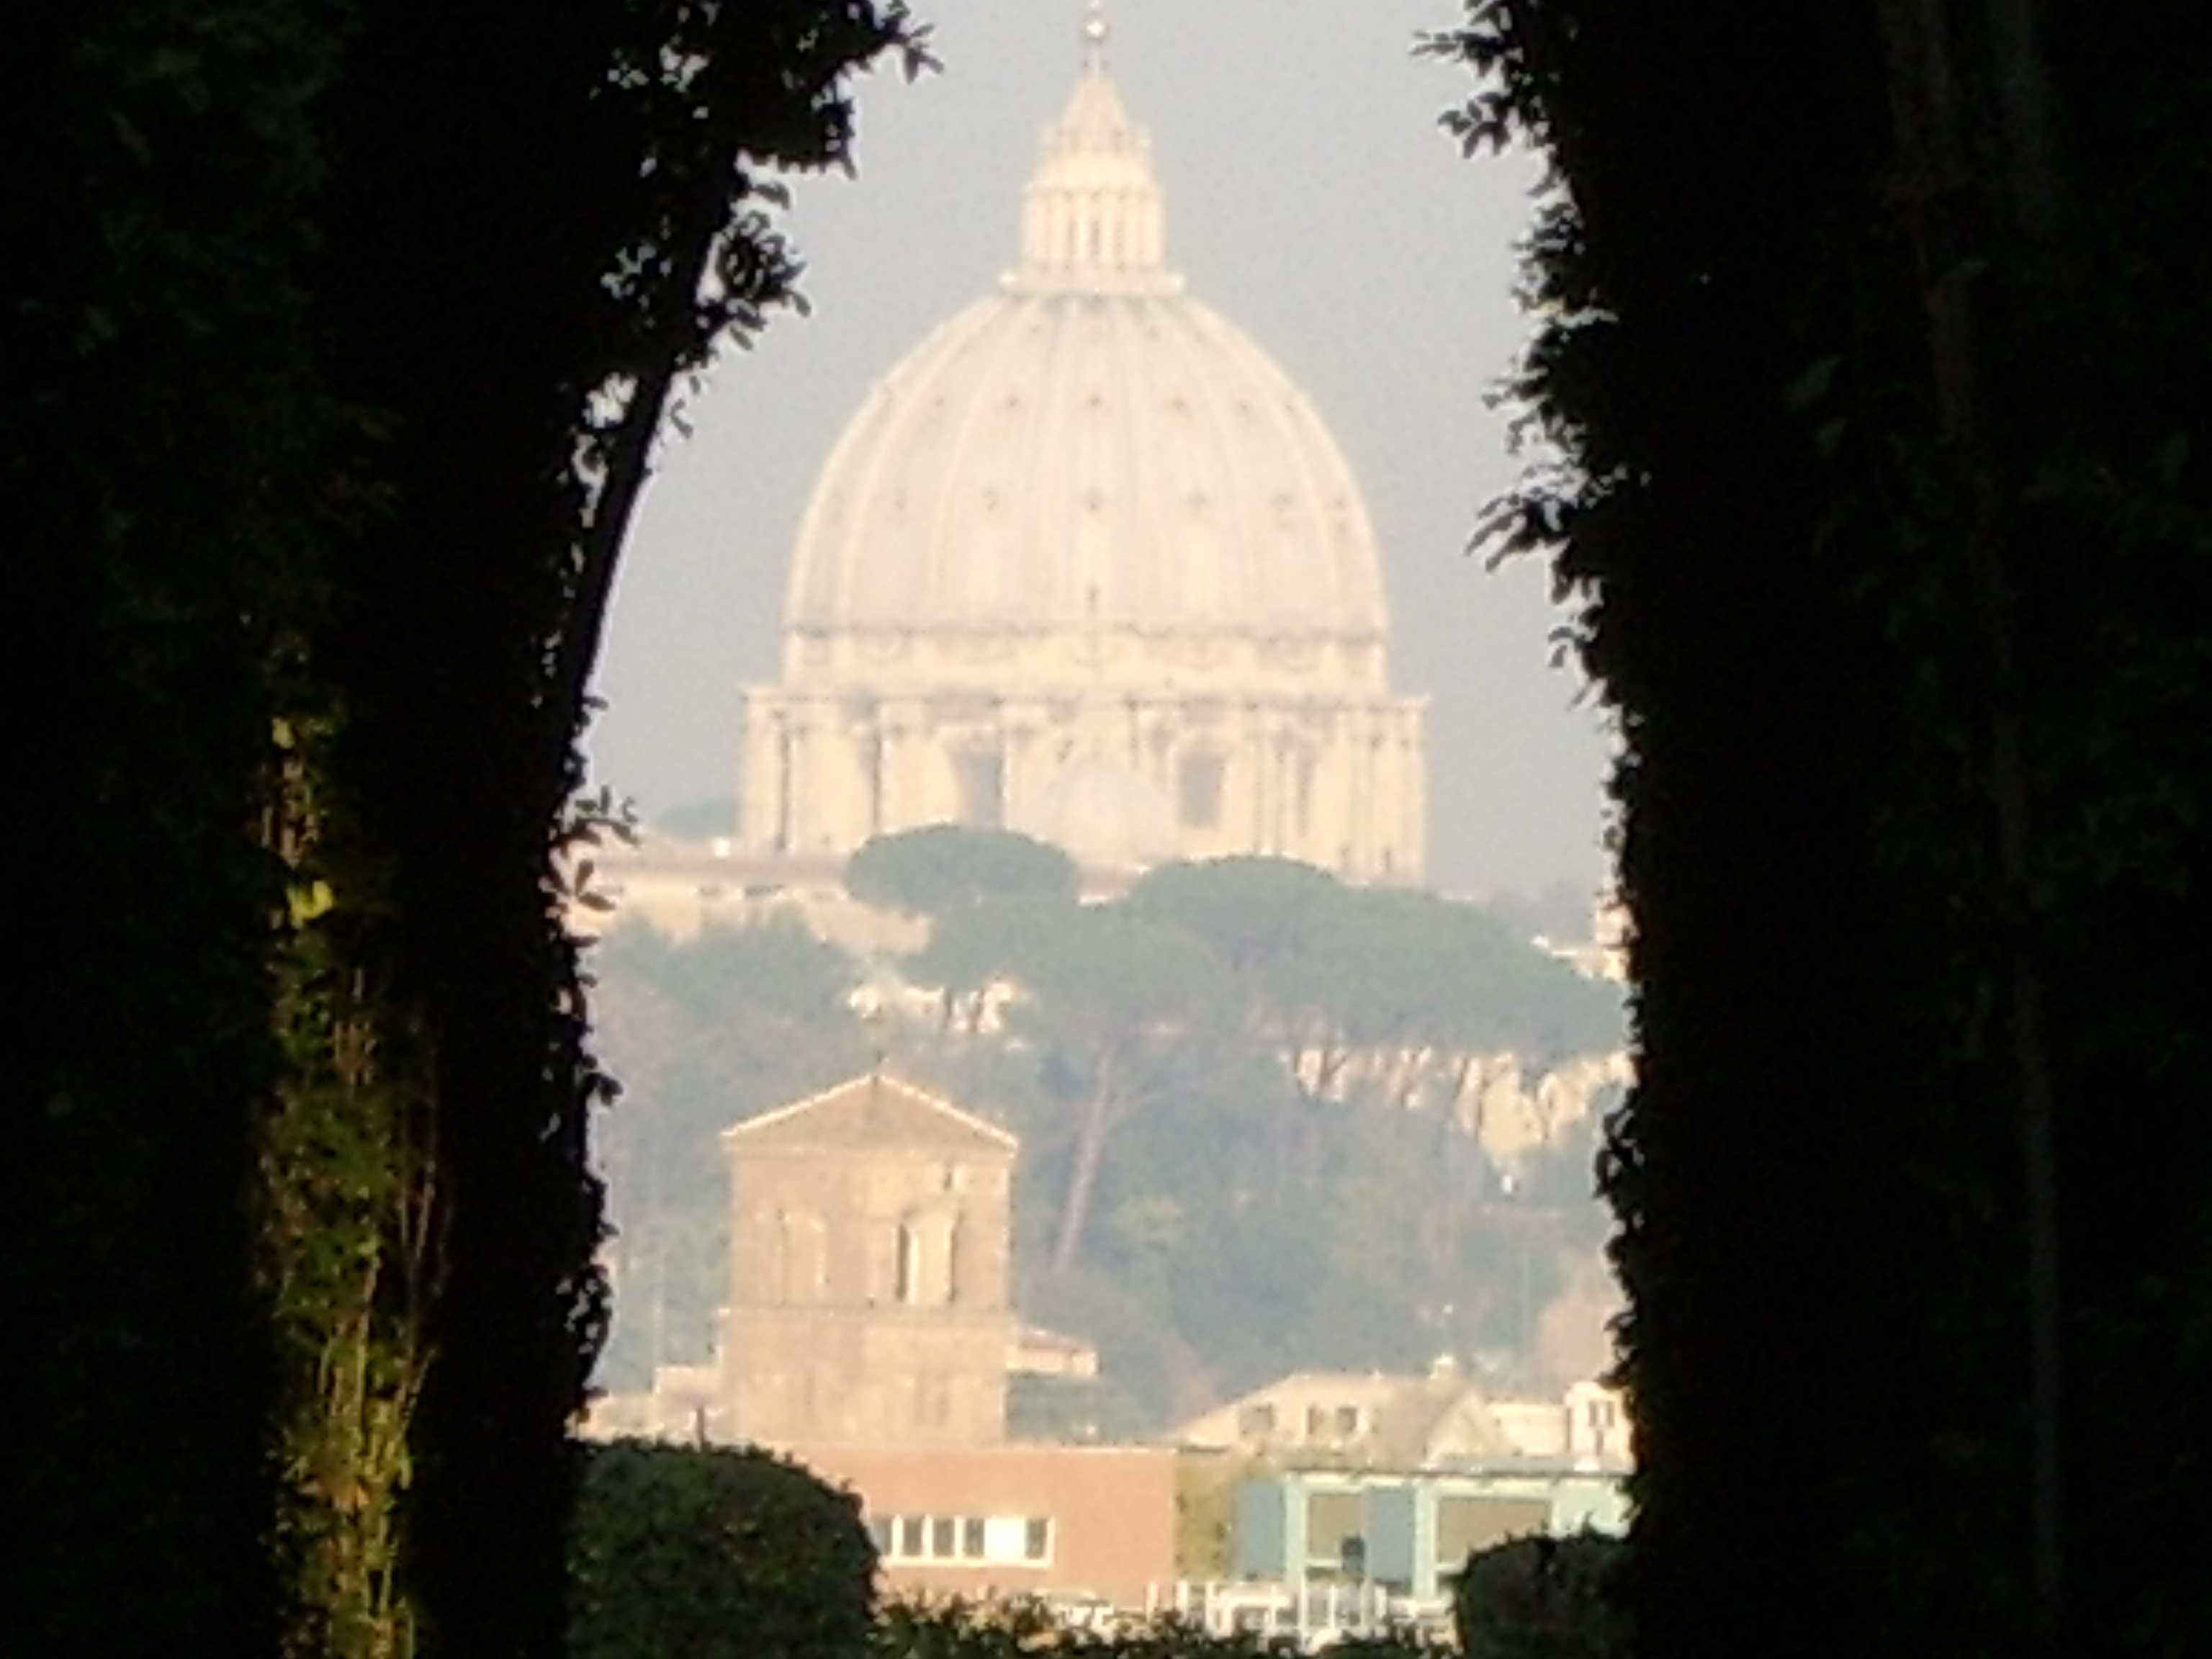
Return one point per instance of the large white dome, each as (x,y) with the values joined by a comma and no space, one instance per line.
(1089,449)
(1087,564)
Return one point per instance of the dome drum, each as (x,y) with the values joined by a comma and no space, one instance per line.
(1121,779)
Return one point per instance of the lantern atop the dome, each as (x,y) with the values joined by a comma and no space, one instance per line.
(1092,217)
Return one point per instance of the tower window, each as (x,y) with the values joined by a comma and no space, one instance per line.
(908,1289)
(922,1266)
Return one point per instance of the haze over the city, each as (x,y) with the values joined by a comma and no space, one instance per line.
(1313,199)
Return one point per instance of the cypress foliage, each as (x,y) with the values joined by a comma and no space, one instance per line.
(719,1553)
(338,336)
(540,220)
(157,423)
(1706,156)
(1873,337)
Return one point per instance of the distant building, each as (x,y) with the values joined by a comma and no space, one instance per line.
(1401,1534)
(1365,1491)
(869,1333)
(1386,1421)
(681,888)
(868,1304)
(1088,564)
(1368,1418)
(1015,1521)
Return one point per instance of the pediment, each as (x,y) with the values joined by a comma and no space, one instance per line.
(874,1111)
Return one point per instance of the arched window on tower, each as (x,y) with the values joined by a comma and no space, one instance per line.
(956,1267)
(924,1267)
(780,1275)
(906,1287)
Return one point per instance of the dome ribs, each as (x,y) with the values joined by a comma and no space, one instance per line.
(967,564)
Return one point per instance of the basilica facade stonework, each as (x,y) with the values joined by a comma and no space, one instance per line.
(1087,564)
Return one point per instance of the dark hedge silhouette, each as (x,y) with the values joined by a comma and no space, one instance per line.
(1540,1598)
(338,334)
(1873,339)
(715,1553)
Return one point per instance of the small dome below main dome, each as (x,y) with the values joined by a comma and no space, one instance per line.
(1103,814)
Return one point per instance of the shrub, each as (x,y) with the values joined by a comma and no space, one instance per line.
(1540,1598)
(709,1552)
(1036,1629)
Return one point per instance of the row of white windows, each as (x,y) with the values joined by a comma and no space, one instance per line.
(982,1540)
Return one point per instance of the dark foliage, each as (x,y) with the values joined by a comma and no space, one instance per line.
(338,336)
(964,1630)
(157,428)
(539,220)
(1540,1598)
(684,1552)
(943,868)
(1874,344)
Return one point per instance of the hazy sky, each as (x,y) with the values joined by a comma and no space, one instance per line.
(1311,198)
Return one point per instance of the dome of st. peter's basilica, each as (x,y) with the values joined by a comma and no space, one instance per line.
(1086,563)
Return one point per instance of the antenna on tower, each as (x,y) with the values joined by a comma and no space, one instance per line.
(1095,33)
